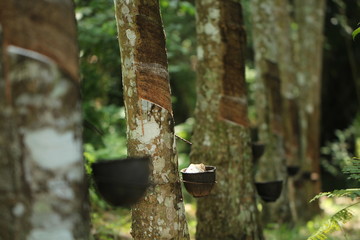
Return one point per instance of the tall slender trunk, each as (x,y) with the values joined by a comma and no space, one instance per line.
(221,135)
(272,166)
(298,53)
(160,214)
(289,88)
(42,184)
(310,19)
(290,97)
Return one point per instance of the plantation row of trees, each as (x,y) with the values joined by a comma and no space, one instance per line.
(43,183)
(222,130)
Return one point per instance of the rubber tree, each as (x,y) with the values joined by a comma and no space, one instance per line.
(309,16)
(295,30)
(43,194)
(290,96)
(160,213)
(272,166)
(221,134)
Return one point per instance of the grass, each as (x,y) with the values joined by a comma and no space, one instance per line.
(111,224)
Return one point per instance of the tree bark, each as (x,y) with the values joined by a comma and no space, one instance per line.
(290,98)
(299,59)
(221,134)
(43,194)
(160,213)
(310,19)
(272,166)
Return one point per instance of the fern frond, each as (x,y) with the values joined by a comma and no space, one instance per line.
(353,169)
(333,224)
(344,215)
(350,193)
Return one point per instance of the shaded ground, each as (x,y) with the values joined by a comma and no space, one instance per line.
(115,224)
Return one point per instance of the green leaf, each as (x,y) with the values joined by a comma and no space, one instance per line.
(344,215)
(351,193)
(353,169)
(333,224)
(355,33)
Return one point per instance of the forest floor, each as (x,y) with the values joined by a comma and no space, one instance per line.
(115,223)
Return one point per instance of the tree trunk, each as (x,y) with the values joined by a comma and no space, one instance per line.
(43,194)
(221,134)
(310,19)
(160,214)
(290,98)
(299,60)
(272,166)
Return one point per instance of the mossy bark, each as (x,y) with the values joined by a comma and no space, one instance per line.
(43,193)
(221,134)
(160,213)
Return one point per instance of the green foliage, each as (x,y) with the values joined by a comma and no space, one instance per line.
(99,67)
(333,224)
(253,87)
(355,33)
(184,130)
(344,215)
(179,23)
(300,230)
(350,193)
(113,144)
(338,151)
(99,52)
(353,170)
(283,232)
(114,138)
(110,224)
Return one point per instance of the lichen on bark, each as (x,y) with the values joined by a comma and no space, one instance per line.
(44,151)
(42,180)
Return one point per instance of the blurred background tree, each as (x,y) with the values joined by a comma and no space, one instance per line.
(222,131)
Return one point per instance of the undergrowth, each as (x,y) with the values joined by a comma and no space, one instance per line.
(344,215)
